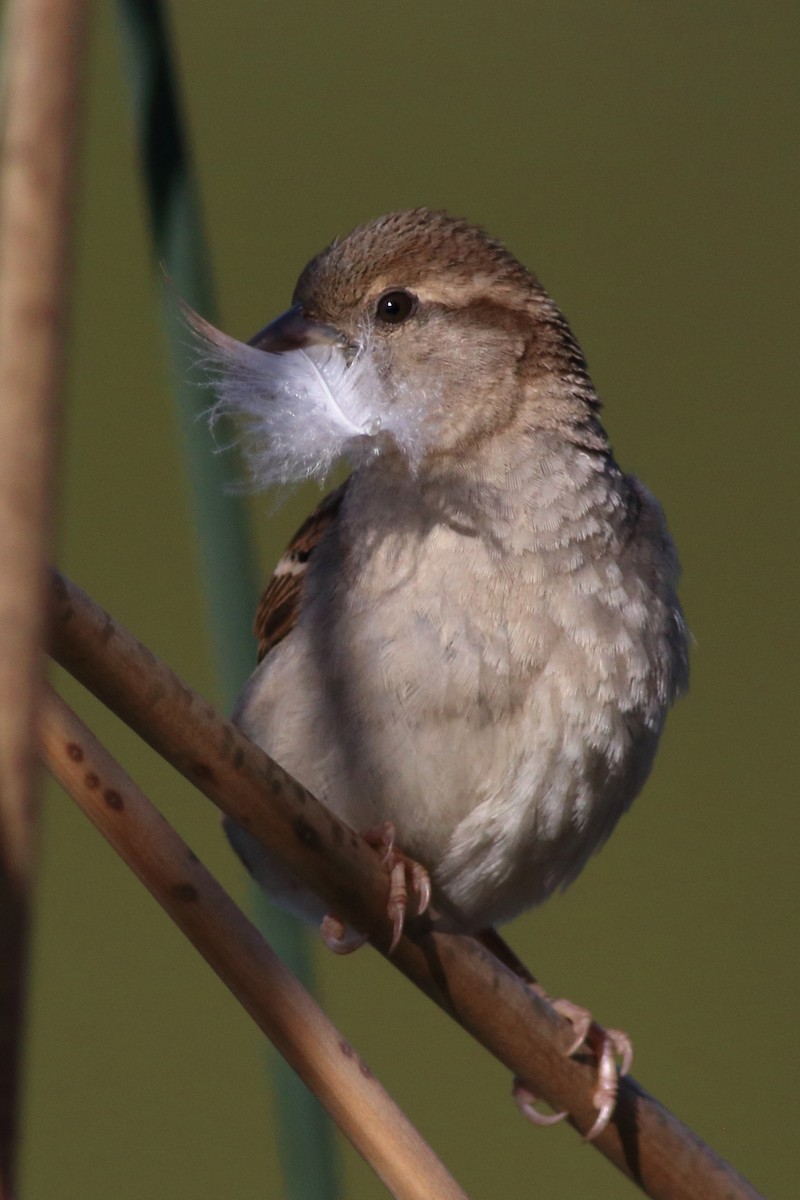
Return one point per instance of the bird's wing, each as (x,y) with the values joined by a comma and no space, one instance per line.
(279,605)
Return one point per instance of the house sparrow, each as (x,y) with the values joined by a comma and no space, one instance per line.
(476,638)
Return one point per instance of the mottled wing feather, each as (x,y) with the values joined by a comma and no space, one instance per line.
(279,605)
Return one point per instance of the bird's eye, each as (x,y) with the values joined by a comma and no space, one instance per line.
(395,307)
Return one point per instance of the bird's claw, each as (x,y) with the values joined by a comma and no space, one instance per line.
(579,1018)
(613,1051)
(526,1103)
(336,938)
(614,1054)
(402,872)
(611,1047)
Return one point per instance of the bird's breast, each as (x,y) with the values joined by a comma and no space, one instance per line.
(500,708)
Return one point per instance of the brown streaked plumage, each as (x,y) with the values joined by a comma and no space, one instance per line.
(280,603)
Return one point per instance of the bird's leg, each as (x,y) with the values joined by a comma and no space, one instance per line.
(611,1047)
(402,872)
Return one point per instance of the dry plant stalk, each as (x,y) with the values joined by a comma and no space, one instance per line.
(233,947)
(644,1140)
(43,41)
(42,49)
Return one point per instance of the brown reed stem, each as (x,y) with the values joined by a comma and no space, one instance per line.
(42,50)
(644,1140)
(233,947)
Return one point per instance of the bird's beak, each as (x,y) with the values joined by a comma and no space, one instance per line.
(295,331)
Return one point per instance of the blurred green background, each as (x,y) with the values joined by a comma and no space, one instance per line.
(643,159)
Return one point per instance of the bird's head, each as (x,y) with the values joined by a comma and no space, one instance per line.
(417,334)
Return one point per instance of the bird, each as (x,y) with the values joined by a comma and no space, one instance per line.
(469,649)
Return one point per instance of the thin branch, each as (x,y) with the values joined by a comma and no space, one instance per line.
(233,947)
(644,1140)
(42,50)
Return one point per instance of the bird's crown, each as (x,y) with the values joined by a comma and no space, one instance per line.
(441,258)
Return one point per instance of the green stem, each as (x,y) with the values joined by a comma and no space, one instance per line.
(224,545)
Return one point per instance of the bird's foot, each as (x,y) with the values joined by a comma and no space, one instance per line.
(612,1048)
(613,1051)
(404,874)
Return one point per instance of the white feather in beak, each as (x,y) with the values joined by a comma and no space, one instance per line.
(300,410)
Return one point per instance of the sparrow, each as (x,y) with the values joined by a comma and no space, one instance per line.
(471,646)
